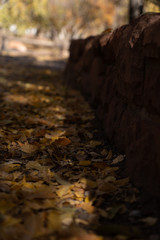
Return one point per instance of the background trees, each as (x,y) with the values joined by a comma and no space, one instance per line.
(58,17)
(65,19)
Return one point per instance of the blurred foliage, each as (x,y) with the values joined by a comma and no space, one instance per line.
(24,14)
(72,19)
(51,15)
(152,6)
(75,16)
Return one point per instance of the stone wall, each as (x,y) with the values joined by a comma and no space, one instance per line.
(120,74)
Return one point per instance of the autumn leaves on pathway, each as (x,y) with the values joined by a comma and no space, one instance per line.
(58,177)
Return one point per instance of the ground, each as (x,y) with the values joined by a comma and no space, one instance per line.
(60,179)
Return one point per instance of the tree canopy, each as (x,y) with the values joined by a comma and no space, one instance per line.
(73,18)
(53,15)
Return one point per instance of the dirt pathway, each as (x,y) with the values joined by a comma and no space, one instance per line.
(59,178)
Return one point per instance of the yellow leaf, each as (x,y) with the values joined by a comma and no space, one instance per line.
(79,193)
(87,206)
(88,182)
(63,190)
(85,163)
(16,175)
(87,199)
(32,176)
(54,223)
(37,190)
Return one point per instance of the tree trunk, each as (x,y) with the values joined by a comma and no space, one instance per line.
(135,9)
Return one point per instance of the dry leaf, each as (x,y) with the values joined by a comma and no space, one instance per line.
(122,182)
(107,188)
(28,148)
(34,165)
(63,190)
(109,156)
(95,143)
(88,183)
(54,223)
(150,221)
(62,141)
(87,206)
(118,159)
(85,163)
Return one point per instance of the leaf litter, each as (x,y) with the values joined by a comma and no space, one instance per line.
(59,179)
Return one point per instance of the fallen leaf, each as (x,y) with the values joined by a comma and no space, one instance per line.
(9,167)
(118,159)
(6,206)
(110,179)
(122,182)
(63,190)
(87,206)
(95,143)
(104,152)
(101,165)
(85,163)
(62,141)
(109,156)
(88,183)
(112,212)
(150,221)
(40,121)
(107,187)
(34,165)
(39,204)
(79,193)
(54,223)
(28,148)
(60,180)
(23,138)
(10,221)
(67,215)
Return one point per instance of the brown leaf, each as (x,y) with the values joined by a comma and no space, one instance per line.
(118,159)
(34,165)
(109,156)
(28,148)
(107,187)
(62,141)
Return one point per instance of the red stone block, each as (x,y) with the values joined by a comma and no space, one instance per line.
(120,74)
